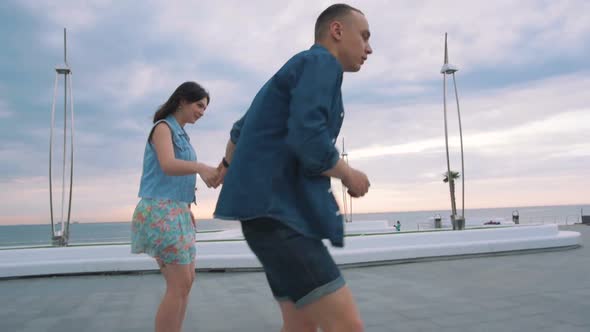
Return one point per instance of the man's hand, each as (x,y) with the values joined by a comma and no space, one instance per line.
(221,171)
(357,183)
(210,176)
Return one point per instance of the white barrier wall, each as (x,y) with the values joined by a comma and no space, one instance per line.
(235,254)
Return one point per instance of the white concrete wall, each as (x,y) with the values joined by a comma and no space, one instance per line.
(235,254)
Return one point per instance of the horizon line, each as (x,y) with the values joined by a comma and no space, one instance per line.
(359,213)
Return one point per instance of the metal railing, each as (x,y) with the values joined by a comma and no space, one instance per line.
(558,220)
(541,220)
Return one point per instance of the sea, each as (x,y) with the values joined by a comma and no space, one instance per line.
(119,232)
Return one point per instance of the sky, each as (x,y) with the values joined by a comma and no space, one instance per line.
(523,85)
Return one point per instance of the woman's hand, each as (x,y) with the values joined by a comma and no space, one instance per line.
(209,175)
(193,219)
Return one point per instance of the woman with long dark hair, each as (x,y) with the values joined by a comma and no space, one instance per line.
(163,225)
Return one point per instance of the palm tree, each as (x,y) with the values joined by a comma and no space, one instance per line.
(451,180)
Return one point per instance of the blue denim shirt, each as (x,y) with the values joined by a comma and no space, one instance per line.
(284,142)
(154,182)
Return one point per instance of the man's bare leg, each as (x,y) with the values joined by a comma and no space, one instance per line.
(295,320)
(335,312)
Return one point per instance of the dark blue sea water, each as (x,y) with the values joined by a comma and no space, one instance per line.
(25,235)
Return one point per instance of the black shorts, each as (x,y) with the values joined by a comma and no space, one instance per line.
(298,269)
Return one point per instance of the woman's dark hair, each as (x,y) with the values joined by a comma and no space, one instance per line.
(190,92)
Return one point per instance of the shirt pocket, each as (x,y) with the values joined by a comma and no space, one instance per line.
(182,148)
(179,142)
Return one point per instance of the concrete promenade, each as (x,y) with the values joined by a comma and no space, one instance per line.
(542,291)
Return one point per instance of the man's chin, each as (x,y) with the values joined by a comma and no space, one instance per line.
(354,68)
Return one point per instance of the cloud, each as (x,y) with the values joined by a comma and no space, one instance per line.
(129,86)
(17,194)
(490,114)
(125,85)
(407,36)
(513,137)
(94,198)
(522,84)
(79,15)
(228,31)
(18,158)
(408,39)
(569,126)
(4,110)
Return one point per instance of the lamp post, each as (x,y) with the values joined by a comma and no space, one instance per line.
(448,69)
(60,235)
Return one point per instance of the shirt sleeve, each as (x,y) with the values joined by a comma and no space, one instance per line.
(234,134)
(308,136)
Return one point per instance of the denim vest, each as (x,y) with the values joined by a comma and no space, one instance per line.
(154,182)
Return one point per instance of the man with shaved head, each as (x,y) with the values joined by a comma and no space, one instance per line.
(277,169)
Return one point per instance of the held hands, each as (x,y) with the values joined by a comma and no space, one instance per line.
(221,171)
(357,183)
(213,177)
(210,176)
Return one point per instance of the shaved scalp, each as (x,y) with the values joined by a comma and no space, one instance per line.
(330,14)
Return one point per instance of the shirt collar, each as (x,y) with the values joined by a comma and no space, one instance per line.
(321,48)
(177,128)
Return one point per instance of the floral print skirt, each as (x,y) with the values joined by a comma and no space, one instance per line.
(164,230)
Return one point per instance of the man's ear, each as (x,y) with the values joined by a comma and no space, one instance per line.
(336,30)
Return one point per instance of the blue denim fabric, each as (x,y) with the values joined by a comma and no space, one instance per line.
(298,268)
(154,182)
(284,142)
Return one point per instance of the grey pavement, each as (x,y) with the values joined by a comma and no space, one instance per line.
(541,292)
